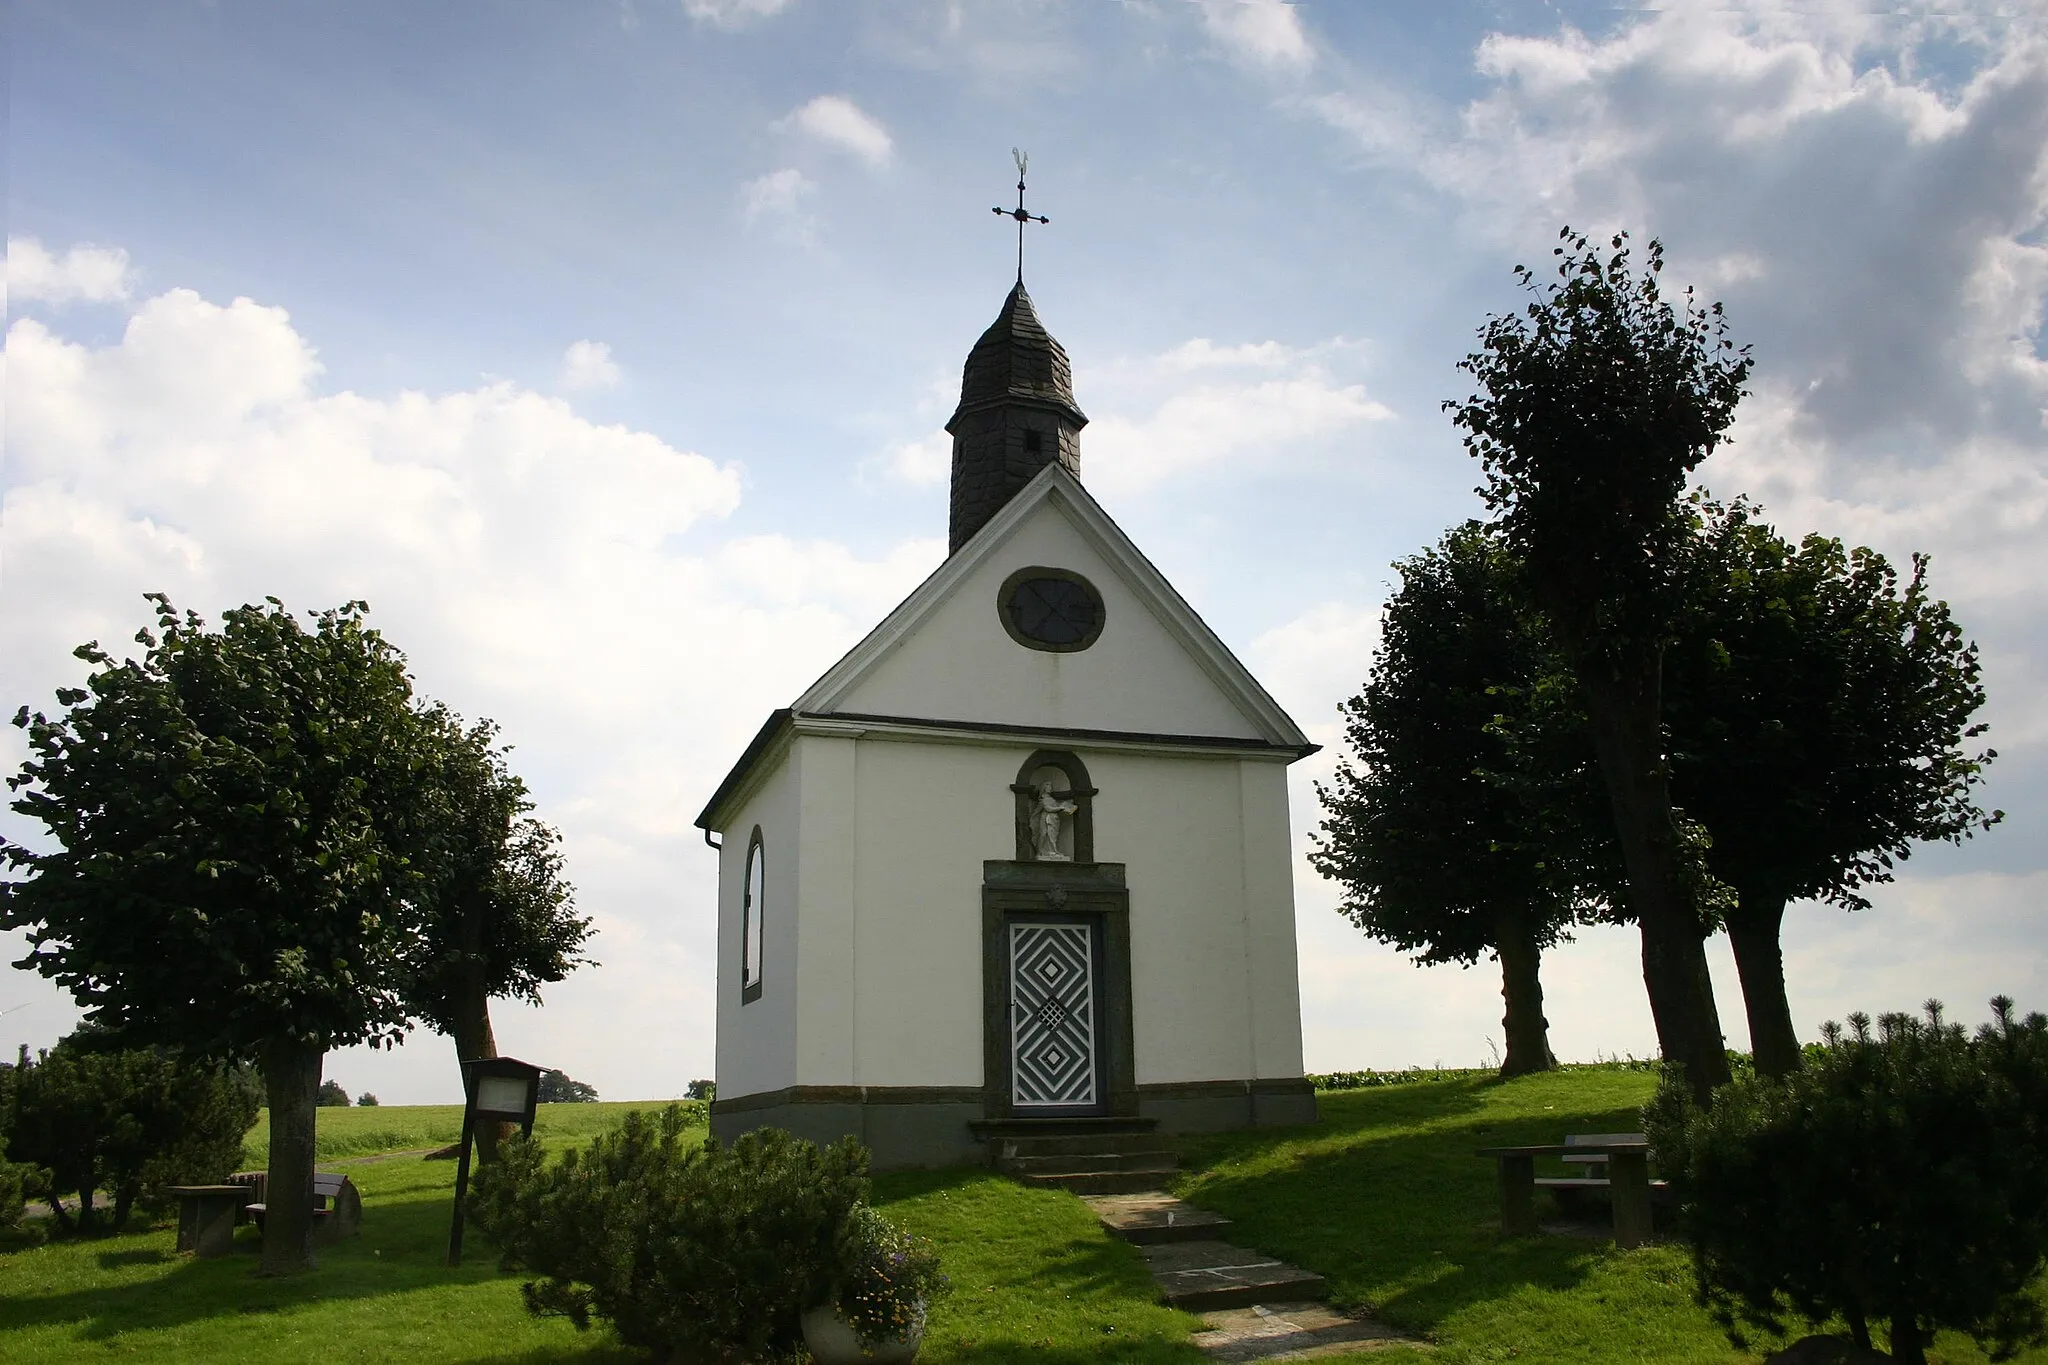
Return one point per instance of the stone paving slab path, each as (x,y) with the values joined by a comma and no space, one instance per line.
(1291,1331)
(1256,1307)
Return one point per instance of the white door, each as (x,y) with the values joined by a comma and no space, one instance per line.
(1052,1016)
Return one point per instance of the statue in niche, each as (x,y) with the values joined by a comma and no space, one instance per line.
(1049,810)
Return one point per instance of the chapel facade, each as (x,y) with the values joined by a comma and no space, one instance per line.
(1023,854)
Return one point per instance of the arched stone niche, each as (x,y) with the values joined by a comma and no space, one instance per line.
(1069,779)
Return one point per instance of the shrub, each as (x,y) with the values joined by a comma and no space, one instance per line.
(1901,1176)
(691,1251)
(123,1121)
(885,1278)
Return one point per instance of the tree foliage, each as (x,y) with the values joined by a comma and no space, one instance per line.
(331,1095)
(1593,407)
(126,1121)
(689,1250)
(225,872)
(230,875)
(1901,1177)
(498,919)
(1446,823)
(556,1088)
(1819,710)
(1597,403)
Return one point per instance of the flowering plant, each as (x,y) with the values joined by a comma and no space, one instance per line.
(886,1277)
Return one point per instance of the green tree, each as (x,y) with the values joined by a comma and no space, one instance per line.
(226,877)
(125,1121)
(331,1095)
(17,1179)
(1594,406)
(556,1088)
(1901,1176)
(1443,845)
(1818,711)
(498,919)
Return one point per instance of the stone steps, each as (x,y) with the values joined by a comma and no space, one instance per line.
(1204,1275)
(1254,1307)
(1097,1182)
(1159,1165)
(1292,1331)
(1071,1144)
(1086,1156)
(1151,1217)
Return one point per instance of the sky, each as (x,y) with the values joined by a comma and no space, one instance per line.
(604,349)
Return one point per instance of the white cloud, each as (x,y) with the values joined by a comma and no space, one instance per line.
(926,462)
(777,198)
(91,274)
(1197,413)
(589,365)
(561,576)
(732,14)
(838,122)
(1262,33)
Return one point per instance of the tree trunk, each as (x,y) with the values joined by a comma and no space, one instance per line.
(1753,932)
(88,1216)
(1521,989)
(291,1081)
(1625,706)
(1909,1343)
(470,1013)
(61,1214)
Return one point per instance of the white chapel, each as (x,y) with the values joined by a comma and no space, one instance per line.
(1021,857)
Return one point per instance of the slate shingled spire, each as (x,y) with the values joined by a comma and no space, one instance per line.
(1016,416)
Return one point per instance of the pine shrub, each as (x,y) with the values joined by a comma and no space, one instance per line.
(691,1250)
(1901,1176)
(128,1121)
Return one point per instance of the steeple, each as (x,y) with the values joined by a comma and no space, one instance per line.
(1016,416)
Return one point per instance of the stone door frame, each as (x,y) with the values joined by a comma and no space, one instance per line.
(1090,893)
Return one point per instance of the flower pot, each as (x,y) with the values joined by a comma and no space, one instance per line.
(833,1342)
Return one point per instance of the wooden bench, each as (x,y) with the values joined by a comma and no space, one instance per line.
(1625,1157)
(337,1204)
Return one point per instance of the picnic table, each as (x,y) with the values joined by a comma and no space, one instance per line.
(1627,1180)
(337,1204)
(207,1215)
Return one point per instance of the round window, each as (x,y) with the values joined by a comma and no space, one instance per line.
(1050,609)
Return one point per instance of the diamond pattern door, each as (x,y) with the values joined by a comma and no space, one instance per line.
(1052,1016)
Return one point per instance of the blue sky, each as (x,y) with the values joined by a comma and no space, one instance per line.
(605,348)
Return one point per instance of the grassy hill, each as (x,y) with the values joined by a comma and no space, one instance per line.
(1384,1197)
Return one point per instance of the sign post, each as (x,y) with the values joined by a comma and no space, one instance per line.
(495,1090)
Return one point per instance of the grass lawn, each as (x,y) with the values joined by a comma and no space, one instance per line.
(1035,1278)
(1383,1197)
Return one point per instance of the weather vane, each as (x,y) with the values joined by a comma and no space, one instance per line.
(1018,213)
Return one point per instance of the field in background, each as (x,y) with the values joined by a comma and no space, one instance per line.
(407,1127)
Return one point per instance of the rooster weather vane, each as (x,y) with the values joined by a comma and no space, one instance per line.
(1018,213)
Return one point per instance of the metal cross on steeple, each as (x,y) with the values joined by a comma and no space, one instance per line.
(1018,213)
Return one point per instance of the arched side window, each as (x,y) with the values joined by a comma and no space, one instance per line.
(750,921)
